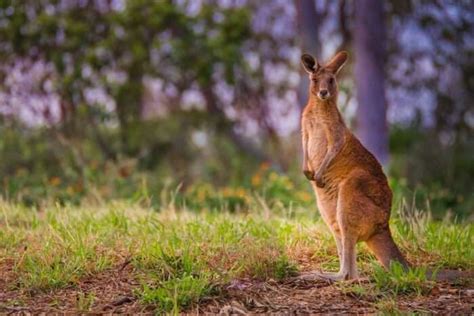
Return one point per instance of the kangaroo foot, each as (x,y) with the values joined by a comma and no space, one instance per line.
(339,276)
(320,275)
(329,276)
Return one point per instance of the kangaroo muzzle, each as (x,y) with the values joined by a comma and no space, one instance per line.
(323,94)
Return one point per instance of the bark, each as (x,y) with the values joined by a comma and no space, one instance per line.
(369,44)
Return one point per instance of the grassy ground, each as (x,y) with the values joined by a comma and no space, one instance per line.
(127,257)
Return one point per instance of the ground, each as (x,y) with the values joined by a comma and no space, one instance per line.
(113,292)
(123,258)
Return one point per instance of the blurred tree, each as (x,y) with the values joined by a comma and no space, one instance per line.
(431,94)
(95,44)
(322,24)
(209,87)
(369,45)
(309,22)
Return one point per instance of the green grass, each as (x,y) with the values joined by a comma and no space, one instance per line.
(85,301)
(398,281)
(182,255)
(172,294)
(447,243)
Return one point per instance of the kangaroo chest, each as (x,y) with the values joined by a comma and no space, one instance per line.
(317,143)
(317,150)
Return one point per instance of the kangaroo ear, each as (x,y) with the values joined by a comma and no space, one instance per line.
(337,62)
(309,63)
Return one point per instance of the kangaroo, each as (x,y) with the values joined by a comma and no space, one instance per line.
(351,189)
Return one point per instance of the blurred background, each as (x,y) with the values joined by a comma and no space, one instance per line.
(134,99)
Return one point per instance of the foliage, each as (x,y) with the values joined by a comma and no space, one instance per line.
(429,170)
(39,166)
(240,75)
(90,46)
(37,171)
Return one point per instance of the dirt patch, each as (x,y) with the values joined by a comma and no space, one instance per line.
(322,297)
(7,282)
(244,296)
(112,291)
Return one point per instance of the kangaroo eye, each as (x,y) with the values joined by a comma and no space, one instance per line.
(331,80)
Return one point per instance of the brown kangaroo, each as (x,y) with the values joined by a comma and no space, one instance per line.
(352,192)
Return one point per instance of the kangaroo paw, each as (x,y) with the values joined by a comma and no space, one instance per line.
(309,174)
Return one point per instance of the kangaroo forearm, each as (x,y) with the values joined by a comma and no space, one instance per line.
(330,155)
(305,159)
(305,151)
(305,162)
(326,161)
(335,137)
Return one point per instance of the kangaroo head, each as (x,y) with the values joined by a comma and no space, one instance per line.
(323,78)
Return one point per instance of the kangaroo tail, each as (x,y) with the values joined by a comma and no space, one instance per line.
(385,249)
(447,275)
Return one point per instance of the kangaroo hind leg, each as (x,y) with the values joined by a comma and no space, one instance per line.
(347,264)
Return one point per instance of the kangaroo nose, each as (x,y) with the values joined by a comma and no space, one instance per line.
(323,93)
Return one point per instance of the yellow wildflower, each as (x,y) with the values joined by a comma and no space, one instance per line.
(256,180)
(264,165)
(55,181)
(304,196)
(201,195)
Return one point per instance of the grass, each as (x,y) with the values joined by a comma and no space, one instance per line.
(174,293)
(85,301)
(181,256)
(397,281)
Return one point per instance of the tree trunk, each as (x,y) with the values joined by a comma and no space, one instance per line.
(308,28)
(369,44)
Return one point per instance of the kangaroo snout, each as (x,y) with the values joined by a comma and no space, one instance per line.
(324,94)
